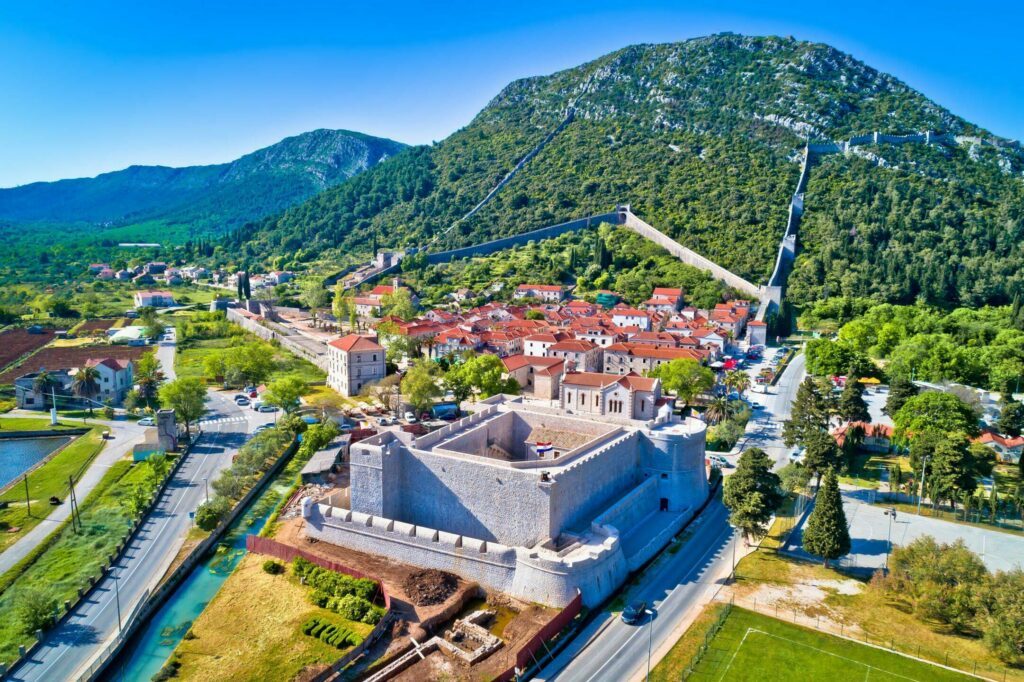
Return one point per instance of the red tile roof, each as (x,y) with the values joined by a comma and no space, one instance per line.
(355,342)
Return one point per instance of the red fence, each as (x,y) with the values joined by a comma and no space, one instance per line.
(271,547)
(525,656)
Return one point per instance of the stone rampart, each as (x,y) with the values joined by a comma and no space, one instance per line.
(631,509)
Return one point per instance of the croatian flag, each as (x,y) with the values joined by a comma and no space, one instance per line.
(543,448)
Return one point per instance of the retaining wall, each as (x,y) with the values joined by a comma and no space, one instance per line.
(272,331)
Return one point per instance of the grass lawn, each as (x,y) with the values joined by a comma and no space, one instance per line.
(671,667)
(64,562)
(869,609)
(754,647)
(786,517)
(189,361)
(46,481)
(34,424)
(865,468)
(252,630)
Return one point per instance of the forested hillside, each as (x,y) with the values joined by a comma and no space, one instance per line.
(202,199)
(701,137)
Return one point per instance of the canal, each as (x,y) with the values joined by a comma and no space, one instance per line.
(147,652)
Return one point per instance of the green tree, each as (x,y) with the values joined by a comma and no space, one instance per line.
(341,304)
(852,406)
(419,385)
(148,376)
(901,389)
(831,358)
(940,582)
(955,466)
(35,609)
(752,493)
(811,412)
(215,365)
(209,514)
(794,476)
(827,534)
(86,384)
(737,380)
(534,315)
(187,397)
(685,378)
(285,393)
(480,374)
(399,304)
(250,363)
(1011,418)
(821,453)
(44,383)
(1000,616)
(314,296)
(935,411)
(719,409)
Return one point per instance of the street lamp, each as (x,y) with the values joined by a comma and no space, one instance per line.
(891,513)
(650,638)
(206,483)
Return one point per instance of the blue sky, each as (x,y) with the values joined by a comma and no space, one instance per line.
(88,87)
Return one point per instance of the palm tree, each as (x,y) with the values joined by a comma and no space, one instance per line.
(44,383)
(719,409)
(737,380)
(86,384)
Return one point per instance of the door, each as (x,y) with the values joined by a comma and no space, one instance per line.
(664,504)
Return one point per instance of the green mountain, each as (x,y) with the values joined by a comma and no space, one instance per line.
(200,199)
(703,138)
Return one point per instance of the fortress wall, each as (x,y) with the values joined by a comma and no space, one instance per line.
(492,565)
(587,487)
(632,508)
(521,239)
(467,497)
(687,255)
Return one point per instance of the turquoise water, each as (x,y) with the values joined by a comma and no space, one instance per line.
(150,649)
(20,454)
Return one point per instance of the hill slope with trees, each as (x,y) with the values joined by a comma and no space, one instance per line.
(701,137)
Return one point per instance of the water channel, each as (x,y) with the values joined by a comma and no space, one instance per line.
(147,652)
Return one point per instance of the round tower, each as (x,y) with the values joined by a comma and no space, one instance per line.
(675,456)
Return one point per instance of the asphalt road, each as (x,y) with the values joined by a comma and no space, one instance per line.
(764,430)
(69,648)
(608,649)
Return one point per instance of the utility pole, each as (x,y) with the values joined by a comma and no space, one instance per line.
(117,598)
(53,406)
(650,638)
(206,482)
(28,502)
(924,467)
(71,501)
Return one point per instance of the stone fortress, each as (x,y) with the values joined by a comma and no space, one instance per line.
(525,500)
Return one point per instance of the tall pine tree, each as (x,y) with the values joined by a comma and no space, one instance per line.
(852,406)
(827,534)
(752,493)
(810,414)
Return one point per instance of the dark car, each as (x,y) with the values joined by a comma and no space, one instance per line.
(634,613)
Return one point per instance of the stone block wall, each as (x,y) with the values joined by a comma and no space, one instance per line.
(631,509)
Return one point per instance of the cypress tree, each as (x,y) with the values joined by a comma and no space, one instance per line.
(248,291)
(240,286)
(752,493)
(827,534)
(852,406)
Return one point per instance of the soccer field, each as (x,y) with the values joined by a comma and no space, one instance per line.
(754,647)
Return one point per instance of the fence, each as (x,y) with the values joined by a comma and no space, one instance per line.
(271,547)
(149,604)
(526,656)
(856,633)
(709,635)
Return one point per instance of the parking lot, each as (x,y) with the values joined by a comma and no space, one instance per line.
(870,527)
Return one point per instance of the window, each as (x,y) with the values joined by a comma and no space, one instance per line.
(664,475)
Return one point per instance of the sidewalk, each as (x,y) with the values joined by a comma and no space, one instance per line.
(123,436)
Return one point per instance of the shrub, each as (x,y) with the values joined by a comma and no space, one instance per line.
(209,514)
(273,567)
(356,608)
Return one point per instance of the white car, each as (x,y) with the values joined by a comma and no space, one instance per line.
(410,417)
(147,421)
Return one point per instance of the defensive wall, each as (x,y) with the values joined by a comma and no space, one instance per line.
(271,331)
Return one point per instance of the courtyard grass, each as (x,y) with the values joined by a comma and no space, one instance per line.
(751,646)
(868,611)
(66,559)
(864,469)
(51,479)
(252,630)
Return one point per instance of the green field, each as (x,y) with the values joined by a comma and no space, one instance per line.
(754,647)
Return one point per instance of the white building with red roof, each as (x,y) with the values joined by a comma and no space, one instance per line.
(623,316)
(579,355)
(551,293)
(353,362)
(115,378)
(538,344)
(665,299)
(640,358)
(536,376)
(608,395)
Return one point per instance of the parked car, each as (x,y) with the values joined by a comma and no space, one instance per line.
(387,421)
(720,462)
(267,408)
(263,427)
(242,402)
(797,455)
(634,613)
(239,396)
(147,421)
(410,417)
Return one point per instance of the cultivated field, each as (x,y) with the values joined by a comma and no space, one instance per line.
(16,342)
(58,358)
(754,647)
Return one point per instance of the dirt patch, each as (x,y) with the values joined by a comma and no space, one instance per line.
(807,599)
(430,586)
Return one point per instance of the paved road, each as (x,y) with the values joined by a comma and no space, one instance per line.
(70,647)
(608,649)
(764,430)
(123,434)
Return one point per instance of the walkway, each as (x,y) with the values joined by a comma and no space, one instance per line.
(124,434)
